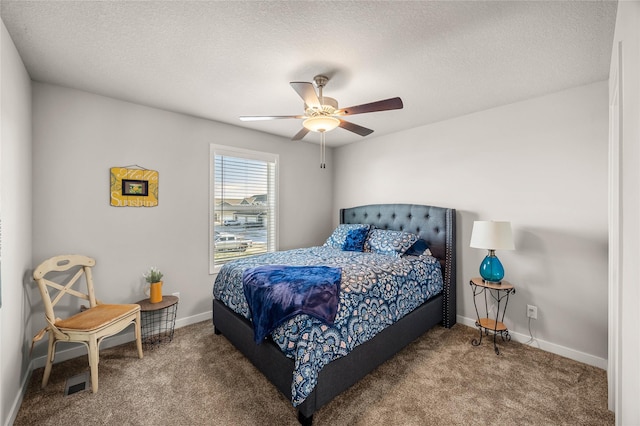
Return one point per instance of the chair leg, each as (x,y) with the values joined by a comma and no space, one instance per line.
(50,355)
(138,332)
(93,362)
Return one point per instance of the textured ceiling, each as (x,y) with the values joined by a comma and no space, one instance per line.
(220,60)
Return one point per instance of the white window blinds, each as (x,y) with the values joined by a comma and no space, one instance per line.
(243,204)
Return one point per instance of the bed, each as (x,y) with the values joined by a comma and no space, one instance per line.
(435,226)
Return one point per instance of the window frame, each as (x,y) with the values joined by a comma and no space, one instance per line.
(215,149)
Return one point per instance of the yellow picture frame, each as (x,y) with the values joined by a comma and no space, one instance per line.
(133,187)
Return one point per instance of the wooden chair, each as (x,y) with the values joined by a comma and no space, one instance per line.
(89,326)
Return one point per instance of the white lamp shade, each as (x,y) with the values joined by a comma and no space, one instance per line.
(492,235)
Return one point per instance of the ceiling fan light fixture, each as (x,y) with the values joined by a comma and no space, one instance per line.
(321,123)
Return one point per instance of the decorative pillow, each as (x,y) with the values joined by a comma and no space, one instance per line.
(393,243)
(418,248)
(339,235)
(355,239)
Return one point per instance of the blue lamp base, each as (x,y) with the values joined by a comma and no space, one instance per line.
(491,269)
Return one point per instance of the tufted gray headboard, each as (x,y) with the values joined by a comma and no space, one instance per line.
(436,225)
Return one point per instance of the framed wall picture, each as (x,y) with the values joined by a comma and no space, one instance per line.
(133,187)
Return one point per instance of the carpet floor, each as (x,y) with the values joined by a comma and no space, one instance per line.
(440,379)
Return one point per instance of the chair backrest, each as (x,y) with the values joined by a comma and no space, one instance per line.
(64,263)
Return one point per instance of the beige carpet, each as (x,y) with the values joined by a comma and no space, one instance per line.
(440,379)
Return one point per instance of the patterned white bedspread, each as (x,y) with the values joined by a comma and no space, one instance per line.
(376,291)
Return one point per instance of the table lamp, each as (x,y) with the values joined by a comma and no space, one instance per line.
(492,236)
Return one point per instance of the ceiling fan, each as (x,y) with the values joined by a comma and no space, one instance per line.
(321,113)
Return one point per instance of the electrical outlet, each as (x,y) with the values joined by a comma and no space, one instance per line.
(176,295)
(532,312)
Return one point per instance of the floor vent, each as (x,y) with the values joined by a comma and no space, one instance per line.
(76,384)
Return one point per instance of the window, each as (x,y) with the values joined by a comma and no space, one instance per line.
(243,204)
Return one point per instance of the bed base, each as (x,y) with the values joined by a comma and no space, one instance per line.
(436,225)
(338,375)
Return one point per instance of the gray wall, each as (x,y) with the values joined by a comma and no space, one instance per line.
(541,164)
(15,211)
(78,137)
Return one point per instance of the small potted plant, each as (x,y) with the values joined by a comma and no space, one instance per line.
(154,278)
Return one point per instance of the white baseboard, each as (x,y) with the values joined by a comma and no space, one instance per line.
(17,402)
(547,346)
(76,350)
(183,322)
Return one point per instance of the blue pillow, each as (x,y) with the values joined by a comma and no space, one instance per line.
(417,248)
(355,239)
(339,235)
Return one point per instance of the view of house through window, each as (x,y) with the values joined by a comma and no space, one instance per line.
(243,214)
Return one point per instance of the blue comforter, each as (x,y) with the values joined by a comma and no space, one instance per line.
(375,291)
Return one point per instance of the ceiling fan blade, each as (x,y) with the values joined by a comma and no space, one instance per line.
(268,117)
(362,131)
(301,134)
(384,105)
(307,93)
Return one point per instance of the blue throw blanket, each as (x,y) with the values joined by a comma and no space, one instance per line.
(275,293)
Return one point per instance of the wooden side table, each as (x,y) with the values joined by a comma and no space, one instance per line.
(497,292)
(158,320)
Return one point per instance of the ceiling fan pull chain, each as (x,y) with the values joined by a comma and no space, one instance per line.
(322,151)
